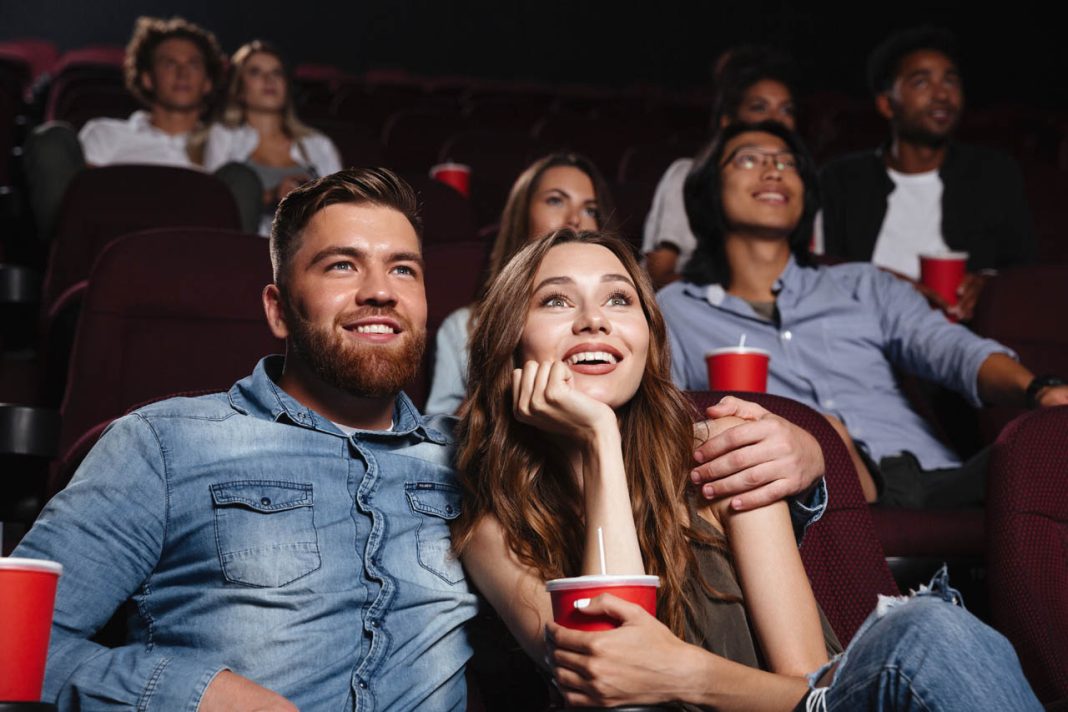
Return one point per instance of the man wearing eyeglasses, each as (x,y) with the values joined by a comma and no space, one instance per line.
(922,192)
(835,334)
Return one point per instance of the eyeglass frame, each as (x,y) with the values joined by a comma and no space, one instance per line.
(777,162)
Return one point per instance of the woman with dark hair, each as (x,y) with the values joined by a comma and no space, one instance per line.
(258,126)
(573,427)
(754,83)
(558,190)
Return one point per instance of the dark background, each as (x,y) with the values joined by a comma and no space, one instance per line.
(1013,55)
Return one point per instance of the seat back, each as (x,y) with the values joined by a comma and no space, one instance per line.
(103,203)
(1023,308)
(841,553)
(447,215)
(166,311)
(1027,550)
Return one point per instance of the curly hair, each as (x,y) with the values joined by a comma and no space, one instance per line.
(510,471)
(148,34)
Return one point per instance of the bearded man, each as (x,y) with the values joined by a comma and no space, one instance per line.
(284,545)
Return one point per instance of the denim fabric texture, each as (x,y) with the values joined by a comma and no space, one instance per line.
(925,652)
(842,331)
(251,535)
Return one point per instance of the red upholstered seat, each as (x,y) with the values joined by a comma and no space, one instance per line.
(166,311)
(1023,308)
(447,215)
(413,138)
(841,553)
(100,205)
(1027,516)
(104,203)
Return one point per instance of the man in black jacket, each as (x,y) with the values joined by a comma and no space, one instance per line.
(923,192)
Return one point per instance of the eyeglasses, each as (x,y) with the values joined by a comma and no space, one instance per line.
(748,159)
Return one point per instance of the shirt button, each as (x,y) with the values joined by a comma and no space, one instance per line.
(265,501)
(448,509)
(363,684)
(786,335)
(374,623)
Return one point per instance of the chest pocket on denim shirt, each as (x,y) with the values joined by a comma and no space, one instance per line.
(436,504)
(265,531)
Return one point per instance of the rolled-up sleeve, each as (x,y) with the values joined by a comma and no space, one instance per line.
(922,341)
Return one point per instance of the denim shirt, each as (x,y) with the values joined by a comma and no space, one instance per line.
(249,534)
(842,331)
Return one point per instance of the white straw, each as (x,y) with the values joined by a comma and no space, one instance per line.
(600,551)
(741,342)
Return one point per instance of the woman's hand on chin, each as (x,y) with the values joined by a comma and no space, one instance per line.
(544,395)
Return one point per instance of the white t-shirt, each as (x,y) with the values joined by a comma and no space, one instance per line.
(227,144)
(107,142)
(667,220)
(913,222)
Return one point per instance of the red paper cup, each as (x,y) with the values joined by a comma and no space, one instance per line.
(27,596)
(565,591)
(943,272)
(738,368)
(456,175)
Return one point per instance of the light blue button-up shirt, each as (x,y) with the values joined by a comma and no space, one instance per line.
(843,330)
(250,534)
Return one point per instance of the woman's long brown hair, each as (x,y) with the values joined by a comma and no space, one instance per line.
(511,471)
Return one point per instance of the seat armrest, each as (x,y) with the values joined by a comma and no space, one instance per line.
(29,430)
(19,285)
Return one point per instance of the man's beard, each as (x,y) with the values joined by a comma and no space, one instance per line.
(914,131)
(361,370)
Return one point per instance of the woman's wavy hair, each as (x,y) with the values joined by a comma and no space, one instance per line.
(703,196)
(233,110)
(514,232)
(512,472)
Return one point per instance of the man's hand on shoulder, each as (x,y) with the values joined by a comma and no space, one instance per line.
(758,462)
(229,692)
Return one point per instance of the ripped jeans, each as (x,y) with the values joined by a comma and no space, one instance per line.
(924,652)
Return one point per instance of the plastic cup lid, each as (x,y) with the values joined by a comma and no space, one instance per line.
(737,350)
(15,564)
(944,255)
(568,584)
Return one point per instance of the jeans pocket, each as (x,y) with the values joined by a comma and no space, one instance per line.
(265,531)
(436,504)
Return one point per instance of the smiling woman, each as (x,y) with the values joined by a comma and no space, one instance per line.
(559,190)
(574,428)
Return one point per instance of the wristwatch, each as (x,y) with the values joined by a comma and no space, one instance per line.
(1038,383)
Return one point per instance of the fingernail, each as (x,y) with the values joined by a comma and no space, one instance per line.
(709,491)
(720,401)
(698,457)
(695,476)
(581,603)
(736,504)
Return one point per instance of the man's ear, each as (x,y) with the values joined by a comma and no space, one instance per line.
(884,105)
(276,315)
(146,81)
